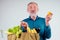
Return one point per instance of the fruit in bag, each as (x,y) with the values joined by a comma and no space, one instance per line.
(31,30)
(15,30)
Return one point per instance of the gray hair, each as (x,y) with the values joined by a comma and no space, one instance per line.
(32,3)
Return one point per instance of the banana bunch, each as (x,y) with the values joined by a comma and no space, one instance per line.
(31,30)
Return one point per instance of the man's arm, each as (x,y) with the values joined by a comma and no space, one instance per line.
(47,32)
(47,27)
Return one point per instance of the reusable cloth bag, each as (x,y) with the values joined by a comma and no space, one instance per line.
(24,36)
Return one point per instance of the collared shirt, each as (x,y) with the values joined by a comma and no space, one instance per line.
(45,31)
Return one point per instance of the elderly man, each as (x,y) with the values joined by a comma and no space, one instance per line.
(37,22)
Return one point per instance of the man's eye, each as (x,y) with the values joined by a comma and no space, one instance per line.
(30,7)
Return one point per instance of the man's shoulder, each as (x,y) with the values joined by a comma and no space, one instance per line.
(25,19)
(41,18)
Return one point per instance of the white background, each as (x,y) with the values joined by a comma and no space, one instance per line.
(13,11)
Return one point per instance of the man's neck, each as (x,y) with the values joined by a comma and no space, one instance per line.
(33,17)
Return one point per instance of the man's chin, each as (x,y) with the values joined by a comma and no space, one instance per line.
(33,14)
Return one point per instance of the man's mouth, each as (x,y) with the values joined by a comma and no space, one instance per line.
(32,11)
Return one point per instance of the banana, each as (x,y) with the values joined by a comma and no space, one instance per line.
(28,30)
(31,30)
(34,31)
(9,33)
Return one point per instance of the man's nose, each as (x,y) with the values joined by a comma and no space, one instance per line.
(33,8)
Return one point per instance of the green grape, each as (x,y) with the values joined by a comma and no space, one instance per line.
(15,30)
(17,34)
(10,30)
(20,31)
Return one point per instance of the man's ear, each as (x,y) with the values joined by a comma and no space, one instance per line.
(37,9)
(27,10)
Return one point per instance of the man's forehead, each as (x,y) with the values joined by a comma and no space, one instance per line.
(32,5)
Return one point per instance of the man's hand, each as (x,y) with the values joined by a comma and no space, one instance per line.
(24,24)
(48,18)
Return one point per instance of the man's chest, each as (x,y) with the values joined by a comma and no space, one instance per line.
(37,24)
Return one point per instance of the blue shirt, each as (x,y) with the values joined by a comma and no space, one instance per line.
(45,31)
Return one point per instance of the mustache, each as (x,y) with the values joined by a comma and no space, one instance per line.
(33,11)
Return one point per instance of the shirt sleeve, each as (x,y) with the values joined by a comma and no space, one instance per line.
(47,31)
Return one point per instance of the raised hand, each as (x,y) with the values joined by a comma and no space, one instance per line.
(48,18)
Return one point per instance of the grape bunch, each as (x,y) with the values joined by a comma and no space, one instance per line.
(15,30)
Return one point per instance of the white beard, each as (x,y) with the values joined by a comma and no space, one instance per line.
(33,15)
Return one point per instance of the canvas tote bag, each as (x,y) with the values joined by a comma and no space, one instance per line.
(24,36)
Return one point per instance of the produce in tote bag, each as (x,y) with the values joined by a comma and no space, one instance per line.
(16,33)
(15,30)
(31,30)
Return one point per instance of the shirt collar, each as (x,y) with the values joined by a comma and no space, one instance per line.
(36,17)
